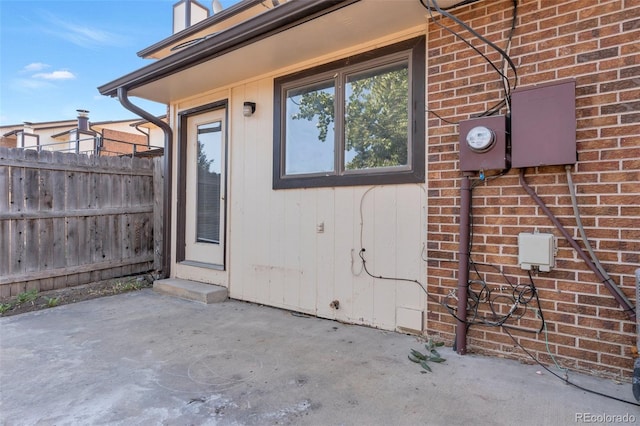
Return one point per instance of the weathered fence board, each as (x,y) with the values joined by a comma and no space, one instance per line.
(157,187)
(68,219)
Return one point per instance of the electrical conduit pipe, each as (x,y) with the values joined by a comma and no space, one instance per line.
(463,264)
(623,301)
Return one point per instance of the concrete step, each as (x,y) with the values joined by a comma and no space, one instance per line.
(191,290)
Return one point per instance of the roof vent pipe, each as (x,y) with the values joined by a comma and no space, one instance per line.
(216,6)
(83,119)
(27,127)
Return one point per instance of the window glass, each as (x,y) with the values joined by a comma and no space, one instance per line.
(376,118)
(309,125)
(209,174)
(359,120)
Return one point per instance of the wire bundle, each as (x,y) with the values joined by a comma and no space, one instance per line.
(507,82)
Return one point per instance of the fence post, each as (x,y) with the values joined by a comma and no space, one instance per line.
(158,231)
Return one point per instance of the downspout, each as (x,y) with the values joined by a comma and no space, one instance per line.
(620,298)
(463,264)
(166,200)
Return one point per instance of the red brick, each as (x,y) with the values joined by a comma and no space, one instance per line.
(548,44)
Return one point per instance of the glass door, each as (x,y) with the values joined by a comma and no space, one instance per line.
(206,188)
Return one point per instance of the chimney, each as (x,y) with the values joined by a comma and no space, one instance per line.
(27,127)
(186,13)
(83,119)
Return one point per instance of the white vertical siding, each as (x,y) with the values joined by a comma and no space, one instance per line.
(299,248)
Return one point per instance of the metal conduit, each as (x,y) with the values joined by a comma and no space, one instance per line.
(623,301)
(463,264)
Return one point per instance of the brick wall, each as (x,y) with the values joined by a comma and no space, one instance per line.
(117,142)
(595,42)
(7,142)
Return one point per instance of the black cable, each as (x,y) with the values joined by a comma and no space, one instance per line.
(409,280)
(566,380)
(505,56)
(519,298)
(380,277)
(442,119)
(452,311)
(502,53)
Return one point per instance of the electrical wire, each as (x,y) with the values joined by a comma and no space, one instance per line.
(566,380)
(585,240)
(507,62)
(519,298)
(485,295)
(522,294)
(441,118)
(553,358)
(500,51)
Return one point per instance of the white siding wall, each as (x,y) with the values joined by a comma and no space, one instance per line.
(279,257)
(275,252)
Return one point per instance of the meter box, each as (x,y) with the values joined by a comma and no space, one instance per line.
(543,125)
(536,250)
(483,144)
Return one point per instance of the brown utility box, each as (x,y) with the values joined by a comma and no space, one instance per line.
(494,158)
(543,125)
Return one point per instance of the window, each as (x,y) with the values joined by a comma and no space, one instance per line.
(358,121)
(208,182)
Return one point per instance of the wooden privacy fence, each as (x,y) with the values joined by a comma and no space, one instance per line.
(70,219)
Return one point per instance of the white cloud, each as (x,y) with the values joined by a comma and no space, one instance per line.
(55,75)
(35,66)
(83,36)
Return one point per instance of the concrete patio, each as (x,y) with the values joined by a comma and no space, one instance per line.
(147,359)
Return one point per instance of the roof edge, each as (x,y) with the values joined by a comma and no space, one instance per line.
(197,27)
(285,16)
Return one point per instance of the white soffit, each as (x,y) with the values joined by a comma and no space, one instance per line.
(355,24)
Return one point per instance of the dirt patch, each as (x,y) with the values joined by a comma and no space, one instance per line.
(34,301)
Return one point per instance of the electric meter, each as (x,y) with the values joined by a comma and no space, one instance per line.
(483,144)
(480,139)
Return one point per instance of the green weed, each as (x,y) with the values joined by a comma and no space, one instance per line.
(27,296)
(431,355)
(4,307)
(52,302)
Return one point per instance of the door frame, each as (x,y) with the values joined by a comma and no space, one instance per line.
(181,177)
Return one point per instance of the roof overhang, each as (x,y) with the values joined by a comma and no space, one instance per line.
(239,12)
(293,32)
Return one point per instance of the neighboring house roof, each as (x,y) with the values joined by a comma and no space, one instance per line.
(62,124)
(283,17)
(45,125)
(75,129)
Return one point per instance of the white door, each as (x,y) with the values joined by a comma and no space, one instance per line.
(206,188)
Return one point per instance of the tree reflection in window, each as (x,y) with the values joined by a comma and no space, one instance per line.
(208,183)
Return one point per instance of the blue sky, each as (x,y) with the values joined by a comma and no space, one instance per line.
(54,55)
